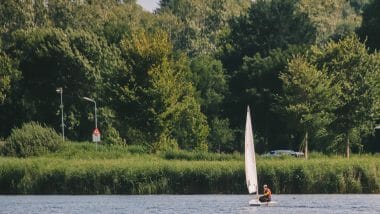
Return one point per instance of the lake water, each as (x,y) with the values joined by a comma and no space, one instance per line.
(189,204)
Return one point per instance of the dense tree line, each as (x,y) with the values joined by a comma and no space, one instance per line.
(181,77)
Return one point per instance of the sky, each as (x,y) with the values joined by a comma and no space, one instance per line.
(148,5)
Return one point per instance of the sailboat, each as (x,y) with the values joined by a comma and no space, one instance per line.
(250,164)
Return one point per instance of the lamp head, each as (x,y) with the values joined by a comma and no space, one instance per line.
(88,99)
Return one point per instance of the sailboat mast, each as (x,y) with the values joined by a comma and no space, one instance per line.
(254,153)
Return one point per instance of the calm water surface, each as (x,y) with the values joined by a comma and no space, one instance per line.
(189,204)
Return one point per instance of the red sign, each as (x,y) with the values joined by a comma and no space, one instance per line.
(96,135)
(96,132)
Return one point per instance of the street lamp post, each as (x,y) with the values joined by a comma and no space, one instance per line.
(60,91)
(96,118)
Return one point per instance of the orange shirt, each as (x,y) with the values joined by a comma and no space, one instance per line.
(267,193)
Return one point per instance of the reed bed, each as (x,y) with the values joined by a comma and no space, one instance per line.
(85,169)
(324,175)
(135,175)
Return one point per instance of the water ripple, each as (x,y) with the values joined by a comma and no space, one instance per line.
(191,204)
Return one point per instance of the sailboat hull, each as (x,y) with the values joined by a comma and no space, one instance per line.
(257,203)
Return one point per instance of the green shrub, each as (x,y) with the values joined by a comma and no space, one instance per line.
(2,144)
(111,136)
(165,143)
(32,139)
(89,150)
(136,149)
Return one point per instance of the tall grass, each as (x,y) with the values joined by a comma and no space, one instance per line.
(328,175)
(190,156)
(72,150)
(86,169)
(121,176)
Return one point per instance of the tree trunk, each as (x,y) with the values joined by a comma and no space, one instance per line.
(306,145)
(348,147)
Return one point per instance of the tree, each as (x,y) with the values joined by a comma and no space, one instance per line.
(359,5)
(123,20)
(370,29)
(178,108)
(15,15)
(163,108)
(49,58)
(257,83)
(254,54)
(109,18)
(8,75)
(221,136)
(210,81)
(267,25)
(333,19)
(354,73)
(200,24)
(309,96)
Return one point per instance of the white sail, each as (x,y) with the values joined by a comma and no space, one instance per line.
(250,160)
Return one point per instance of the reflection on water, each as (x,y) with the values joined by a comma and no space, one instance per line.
(189,204)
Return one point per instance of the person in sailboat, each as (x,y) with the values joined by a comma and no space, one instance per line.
(267,197)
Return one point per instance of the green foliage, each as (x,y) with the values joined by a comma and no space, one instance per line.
(174,78)
(359,5)
(221,136)
(15,15)
(165,144)
(250,33)
(331,18)
(370,29)
(309,97)
(2,144)
(164,104)
(197,26)
(92,15)
(8,75)
(125,19)
(32,139)
(144,49)
(51,58)
(110,134)
(374,82)
(350,66)
(336,86)
(257,83)
(210,81)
